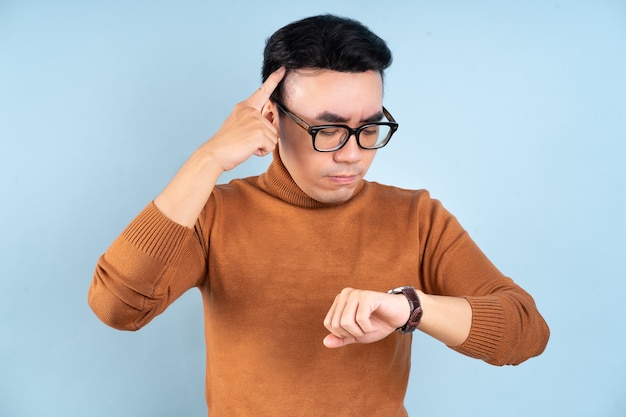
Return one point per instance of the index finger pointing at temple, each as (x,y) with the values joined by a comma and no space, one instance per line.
(260,96)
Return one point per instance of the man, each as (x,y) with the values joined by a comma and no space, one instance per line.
(312,278)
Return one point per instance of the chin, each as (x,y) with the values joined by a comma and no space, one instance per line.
(334,197)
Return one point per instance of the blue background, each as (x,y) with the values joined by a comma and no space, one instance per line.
(512,113)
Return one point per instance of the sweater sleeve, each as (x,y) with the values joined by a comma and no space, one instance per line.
(152,263)
(507,327)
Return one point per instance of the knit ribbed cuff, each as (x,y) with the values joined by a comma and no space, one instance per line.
(488,318)
(156,235)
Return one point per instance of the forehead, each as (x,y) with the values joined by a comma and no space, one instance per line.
(326,90)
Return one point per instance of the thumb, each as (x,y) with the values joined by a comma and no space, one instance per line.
(332,341)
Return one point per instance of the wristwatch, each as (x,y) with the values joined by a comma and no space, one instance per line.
(416,308)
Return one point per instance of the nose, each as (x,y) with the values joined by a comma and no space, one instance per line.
(350,152)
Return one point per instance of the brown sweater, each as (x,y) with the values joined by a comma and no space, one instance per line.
(269,260)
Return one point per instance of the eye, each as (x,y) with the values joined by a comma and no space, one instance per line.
(330,131)
(370,130)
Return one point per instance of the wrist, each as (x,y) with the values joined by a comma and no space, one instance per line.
(415,308)
(207,160)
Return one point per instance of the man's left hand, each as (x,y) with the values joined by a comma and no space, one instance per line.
(362,316)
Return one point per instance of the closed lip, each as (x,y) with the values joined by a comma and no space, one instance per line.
(343,177)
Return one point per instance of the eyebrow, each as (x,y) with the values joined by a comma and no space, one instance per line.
(335,118)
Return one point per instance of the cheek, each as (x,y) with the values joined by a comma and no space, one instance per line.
(304,164)
(294,142)
(369,158)
(286,137)
(298,157)
(292,148)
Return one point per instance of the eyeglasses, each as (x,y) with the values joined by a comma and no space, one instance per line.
(330,138)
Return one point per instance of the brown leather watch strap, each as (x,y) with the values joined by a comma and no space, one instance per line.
(416,308)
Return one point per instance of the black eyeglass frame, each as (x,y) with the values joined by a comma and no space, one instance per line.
(313,130)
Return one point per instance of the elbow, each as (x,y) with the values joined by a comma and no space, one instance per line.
(529,343)
(536,346)
(509,338)
(112,312)
(535,336)
(539,338)
(119,306)
(120,300)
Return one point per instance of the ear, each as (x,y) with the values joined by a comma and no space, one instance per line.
(270,112)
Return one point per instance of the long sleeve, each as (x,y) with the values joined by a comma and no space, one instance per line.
(152,263)
(506,327)
(269,261)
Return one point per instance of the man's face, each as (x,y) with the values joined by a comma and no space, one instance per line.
(322,97)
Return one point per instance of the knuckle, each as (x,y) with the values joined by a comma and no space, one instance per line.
(362,317)
(347,291)
(345,323)
(241,106)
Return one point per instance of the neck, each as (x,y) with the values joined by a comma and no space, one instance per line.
(278,181)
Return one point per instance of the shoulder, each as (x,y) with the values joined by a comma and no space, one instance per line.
(235,193)
(396,194)
(415,201)
(237,187)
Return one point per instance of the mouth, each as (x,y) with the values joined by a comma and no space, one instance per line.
(343,179)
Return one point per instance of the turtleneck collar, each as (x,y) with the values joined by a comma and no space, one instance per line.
(278,181)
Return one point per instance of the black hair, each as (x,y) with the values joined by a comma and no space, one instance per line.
(325,42)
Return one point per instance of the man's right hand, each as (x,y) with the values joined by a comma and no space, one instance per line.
(245,132)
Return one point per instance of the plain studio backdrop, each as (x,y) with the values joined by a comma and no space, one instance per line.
(511,112)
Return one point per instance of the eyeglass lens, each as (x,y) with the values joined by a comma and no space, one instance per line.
(369,136)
